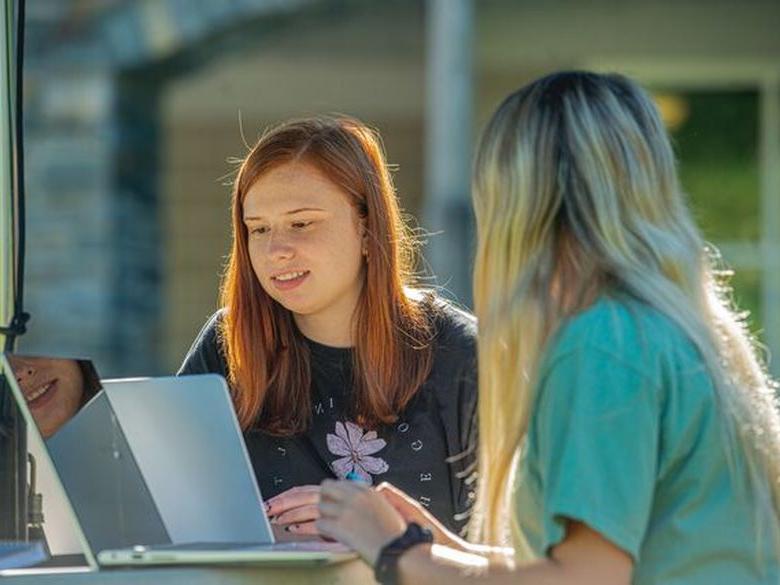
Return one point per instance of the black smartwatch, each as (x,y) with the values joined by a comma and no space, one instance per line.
(386,568)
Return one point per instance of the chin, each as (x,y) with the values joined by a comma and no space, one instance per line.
(302,310)
(299,308)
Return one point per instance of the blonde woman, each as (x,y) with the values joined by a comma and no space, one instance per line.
(628,432)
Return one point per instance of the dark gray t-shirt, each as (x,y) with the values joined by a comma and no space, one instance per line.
(430,452)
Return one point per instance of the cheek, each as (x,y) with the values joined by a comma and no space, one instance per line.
(73,389)
(344,243)
(72,400)
(255,258)
(343,263)
(257,264)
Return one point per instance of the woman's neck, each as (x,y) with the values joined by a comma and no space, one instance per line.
(576,283)
(333,330)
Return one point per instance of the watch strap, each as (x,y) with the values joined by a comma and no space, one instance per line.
(386,568)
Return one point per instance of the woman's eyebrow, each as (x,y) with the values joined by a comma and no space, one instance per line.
(291,212)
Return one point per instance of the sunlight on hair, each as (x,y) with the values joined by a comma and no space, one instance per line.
(576,195)
(471,564)
(268,361)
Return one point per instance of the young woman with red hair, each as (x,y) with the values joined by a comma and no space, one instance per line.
(338,368)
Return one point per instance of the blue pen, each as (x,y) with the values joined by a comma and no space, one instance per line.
(352,476)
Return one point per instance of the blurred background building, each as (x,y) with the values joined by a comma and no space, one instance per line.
(136,108)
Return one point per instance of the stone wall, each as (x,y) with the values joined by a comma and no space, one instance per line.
(93,75)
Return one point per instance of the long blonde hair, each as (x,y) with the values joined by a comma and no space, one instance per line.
(576,191)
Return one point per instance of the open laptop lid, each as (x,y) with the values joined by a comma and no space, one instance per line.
(187,443)
(150,461)
(48,392)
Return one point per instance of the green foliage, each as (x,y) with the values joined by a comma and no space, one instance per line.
(717,149)
(724,198)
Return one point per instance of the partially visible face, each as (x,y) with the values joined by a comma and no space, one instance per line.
(305,242)
(53,389)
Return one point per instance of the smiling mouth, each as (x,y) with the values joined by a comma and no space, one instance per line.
(40,392)
(288,276)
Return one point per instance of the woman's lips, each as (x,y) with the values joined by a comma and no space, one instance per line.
(290,280)
(42,395)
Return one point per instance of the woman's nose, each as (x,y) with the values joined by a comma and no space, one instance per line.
(24,372)
(280,248)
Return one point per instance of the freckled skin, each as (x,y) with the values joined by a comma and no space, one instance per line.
(298,220)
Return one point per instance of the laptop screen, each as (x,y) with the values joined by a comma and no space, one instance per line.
(83,439)
(144,460)
(54,389)
(42,395)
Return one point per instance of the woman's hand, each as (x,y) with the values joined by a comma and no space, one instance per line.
(412,511)
(295,511)
(358,516)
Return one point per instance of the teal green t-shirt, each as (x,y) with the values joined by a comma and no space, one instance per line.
(626,437)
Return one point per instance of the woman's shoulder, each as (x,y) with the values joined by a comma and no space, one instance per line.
(454,326)
(627,330)
(205,353)
(211,331)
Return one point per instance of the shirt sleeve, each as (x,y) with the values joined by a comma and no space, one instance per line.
(455,384)
(464,463)
(595,434)
(205,355)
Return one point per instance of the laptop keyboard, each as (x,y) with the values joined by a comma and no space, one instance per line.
(299,545)
(311,545)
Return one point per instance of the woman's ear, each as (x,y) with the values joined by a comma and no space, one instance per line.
(363,237)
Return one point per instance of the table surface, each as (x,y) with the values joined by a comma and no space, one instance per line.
(349,572)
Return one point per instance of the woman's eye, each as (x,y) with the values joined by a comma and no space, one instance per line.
(258,230)
(301,224)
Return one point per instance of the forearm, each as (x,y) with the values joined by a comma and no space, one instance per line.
(499,556)
(439,565)
(367,521)
(578,560)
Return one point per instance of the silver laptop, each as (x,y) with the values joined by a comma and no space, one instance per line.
(153,471)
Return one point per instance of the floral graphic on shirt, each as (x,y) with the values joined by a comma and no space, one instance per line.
(355,449)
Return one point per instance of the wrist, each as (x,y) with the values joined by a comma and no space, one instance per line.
(386,565)
(407,562)
(375,549)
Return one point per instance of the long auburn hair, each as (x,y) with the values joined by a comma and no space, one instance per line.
(575,189)
(268,359)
